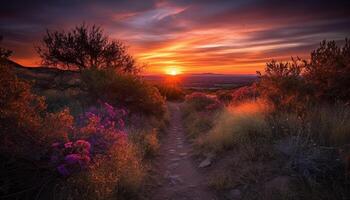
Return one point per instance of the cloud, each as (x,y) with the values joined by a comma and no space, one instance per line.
(199,35)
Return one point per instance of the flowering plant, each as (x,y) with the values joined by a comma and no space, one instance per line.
(96,132)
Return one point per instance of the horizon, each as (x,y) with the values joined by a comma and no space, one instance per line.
(191,36)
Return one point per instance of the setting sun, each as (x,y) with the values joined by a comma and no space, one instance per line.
(172,71)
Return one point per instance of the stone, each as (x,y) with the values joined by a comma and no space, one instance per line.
(175,179)
(183,154)
(174,165)
(175,159)
(205,163)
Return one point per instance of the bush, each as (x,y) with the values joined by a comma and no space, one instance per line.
(99,160)
(23,131)
(224,96)
(283,87)
(171,92)
(328,71)
(245,93)
(199,112)
(202,102)
(124,90)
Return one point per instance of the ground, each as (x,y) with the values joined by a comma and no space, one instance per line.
(180,176)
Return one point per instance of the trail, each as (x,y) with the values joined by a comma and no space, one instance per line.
(180,179)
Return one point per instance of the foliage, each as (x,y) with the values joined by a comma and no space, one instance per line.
(283,87)
(124,90)
(293,86)
(4,53)
(202,102)
(21,118)
(224,96)
(85,47)
(244,93)
(84,153)
(328,71)
(199,112)
(171,92)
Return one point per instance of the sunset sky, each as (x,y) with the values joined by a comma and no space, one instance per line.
(192,36)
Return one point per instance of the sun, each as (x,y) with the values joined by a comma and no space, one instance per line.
(172,71)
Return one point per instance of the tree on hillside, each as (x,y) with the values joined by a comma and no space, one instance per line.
(85,47)
(4,53)
(328,71)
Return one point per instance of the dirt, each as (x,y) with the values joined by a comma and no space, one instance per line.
(180,177)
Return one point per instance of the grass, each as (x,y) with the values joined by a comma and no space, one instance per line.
(236,125)
(261,144)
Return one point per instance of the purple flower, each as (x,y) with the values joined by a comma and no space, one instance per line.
(83,144)
(68,145)
(72,159)
(63,170)
(56,145)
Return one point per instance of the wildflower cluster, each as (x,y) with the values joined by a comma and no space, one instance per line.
(71,157)
(97,130)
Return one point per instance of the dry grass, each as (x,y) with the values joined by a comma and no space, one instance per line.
(237,125)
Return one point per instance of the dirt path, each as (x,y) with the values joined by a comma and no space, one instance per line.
(180,176)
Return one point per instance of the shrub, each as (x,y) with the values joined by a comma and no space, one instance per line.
(283,86)
(171,92)
(124,90)
(244,93)
(328,71)
(224,96)
(201,102)
(23,131)
(199,112)
(99,159)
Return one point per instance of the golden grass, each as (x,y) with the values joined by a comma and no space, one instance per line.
(237,125)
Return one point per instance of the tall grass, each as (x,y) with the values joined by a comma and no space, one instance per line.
(330,125)
(303,148)
(235,125)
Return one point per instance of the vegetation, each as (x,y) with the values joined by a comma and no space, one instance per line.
(100,152)
(171,92)
(286,136)
(85,47)
(124,90)
(290,140)
(4,53)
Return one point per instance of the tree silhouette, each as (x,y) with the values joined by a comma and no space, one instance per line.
(85,47)
(4,53)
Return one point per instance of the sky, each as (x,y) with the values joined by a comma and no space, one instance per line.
(191,36)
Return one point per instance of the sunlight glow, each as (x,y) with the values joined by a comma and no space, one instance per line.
(172,71)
